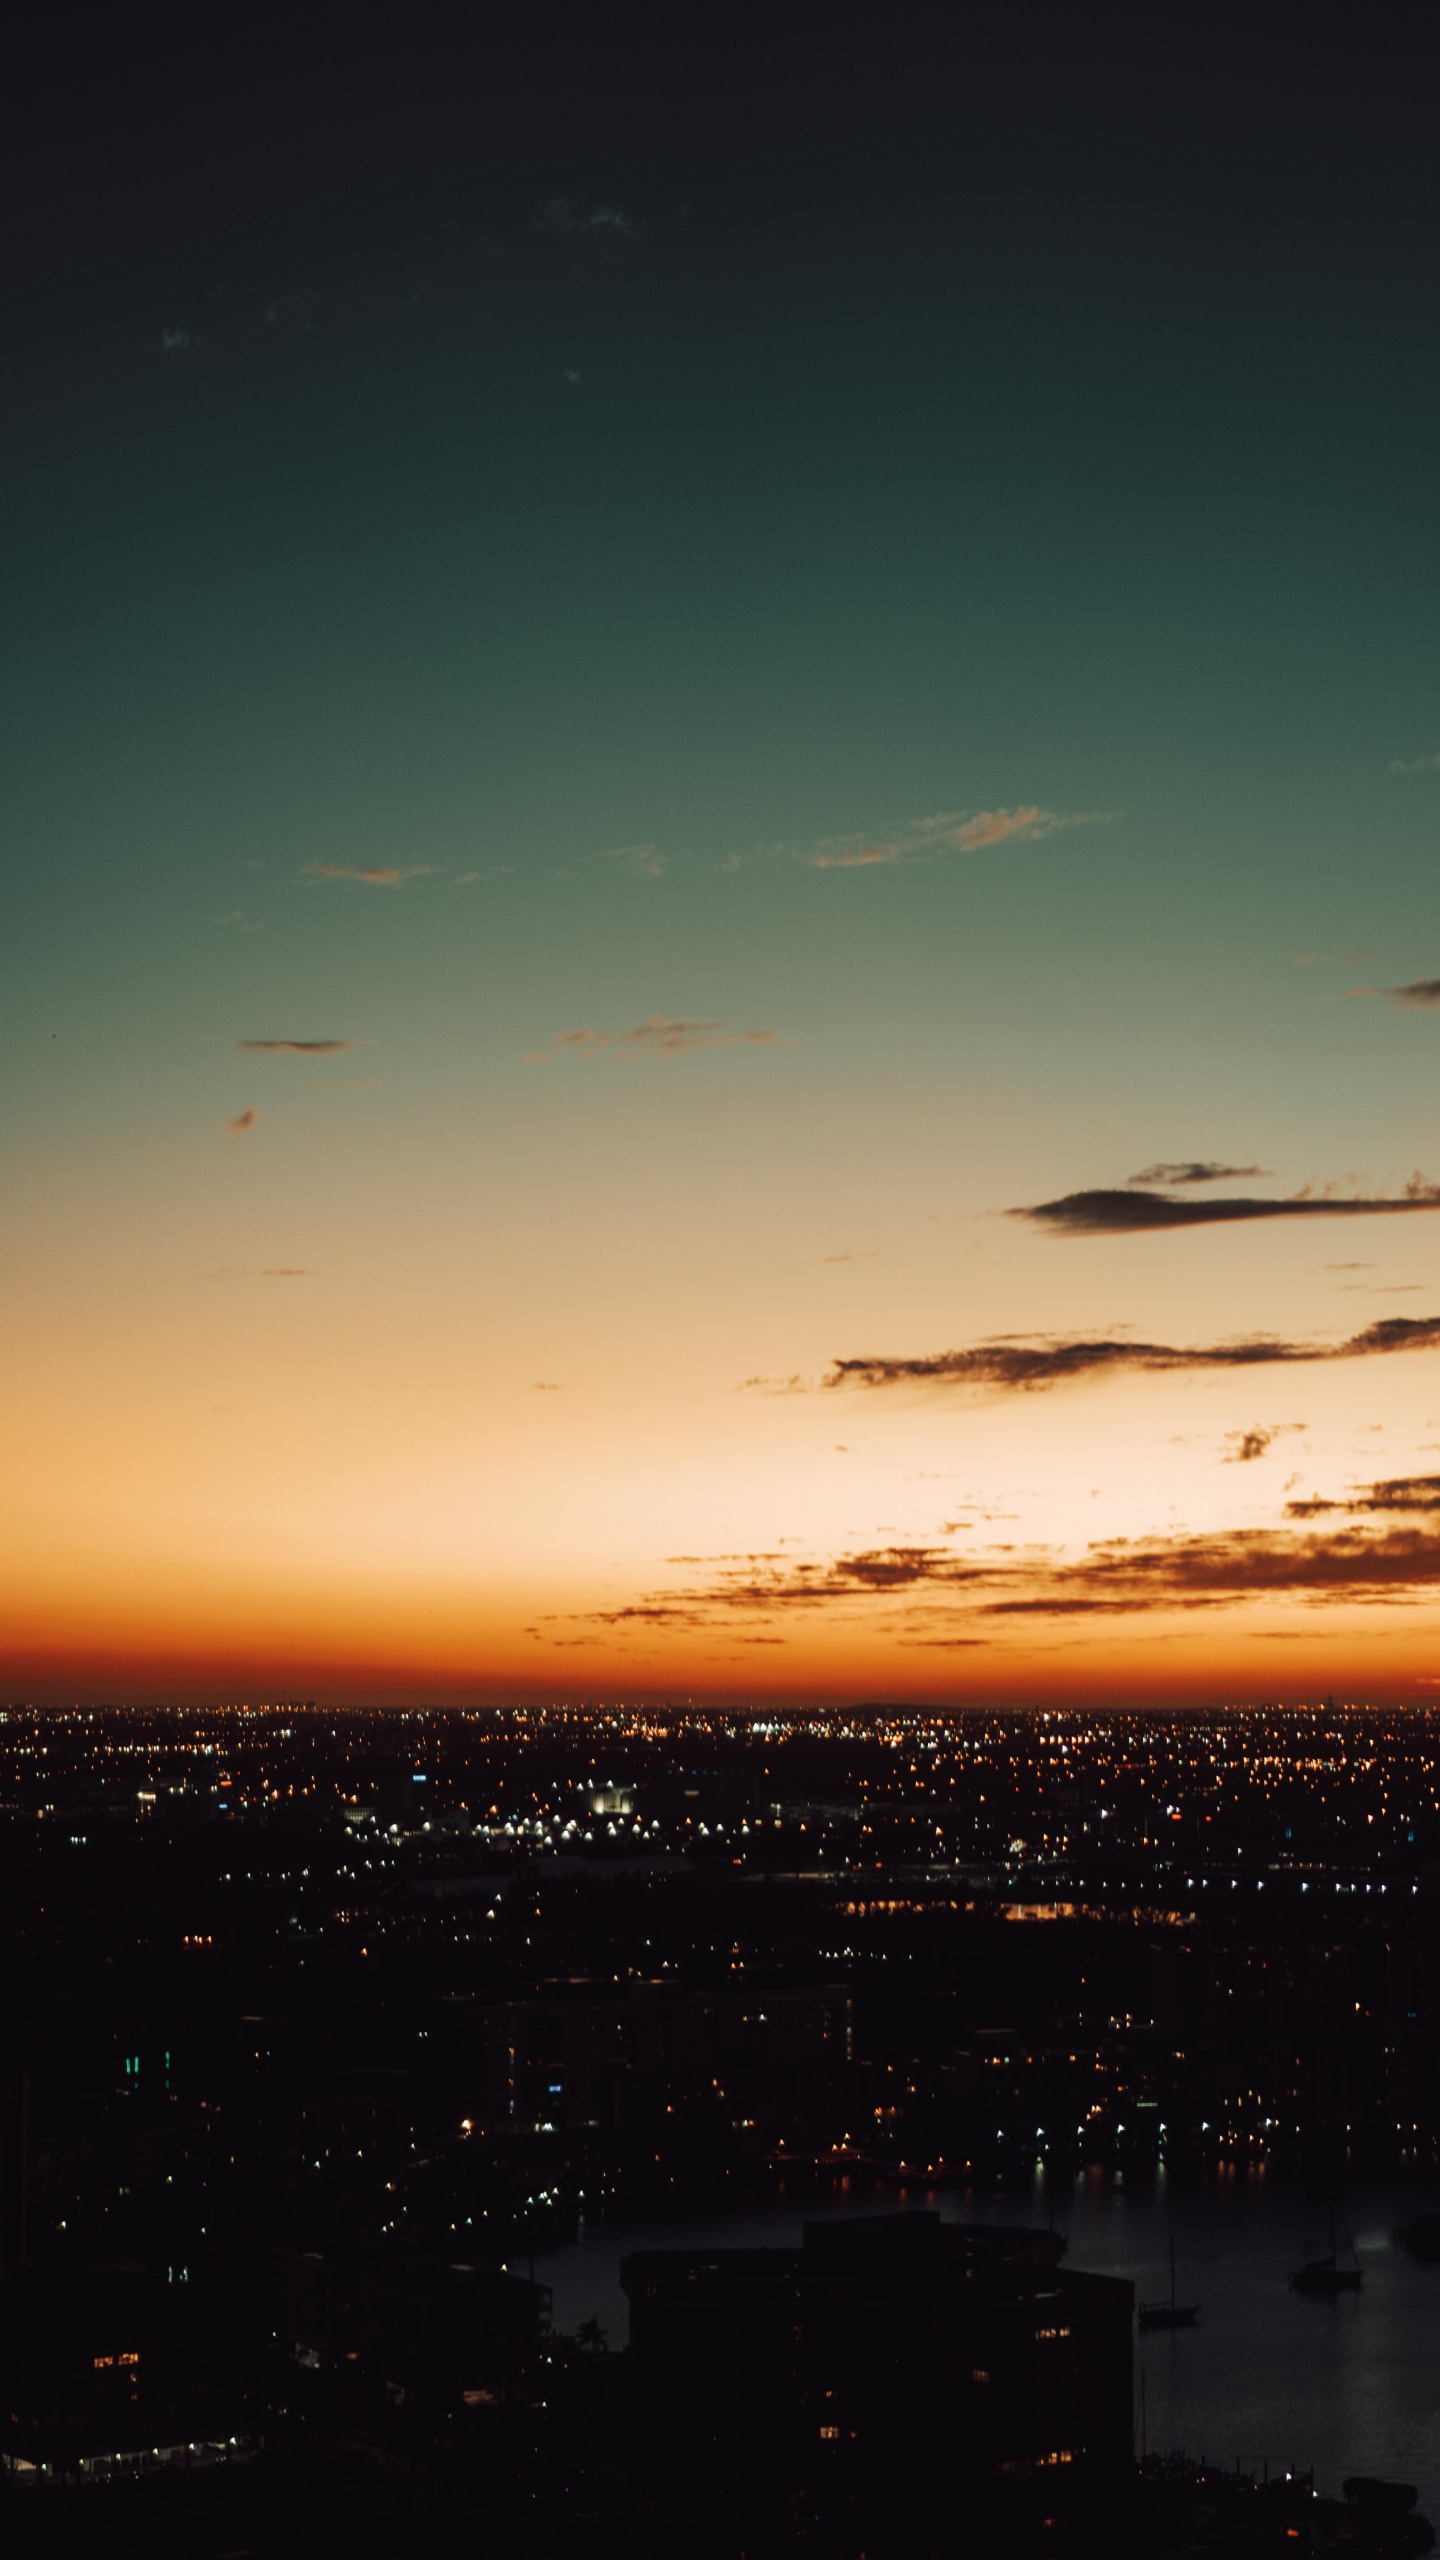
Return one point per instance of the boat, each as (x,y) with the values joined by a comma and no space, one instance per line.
(1422,2238)
(1328,2275)
(1171,2314)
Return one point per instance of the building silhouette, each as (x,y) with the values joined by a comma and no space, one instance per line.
(873,2391)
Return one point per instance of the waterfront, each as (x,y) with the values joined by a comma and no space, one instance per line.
(1269,2376)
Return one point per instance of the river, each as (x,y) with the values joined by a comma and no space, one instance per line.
(1340,2385)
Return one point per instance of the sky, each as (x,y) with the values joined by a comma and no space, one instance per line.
(721,971)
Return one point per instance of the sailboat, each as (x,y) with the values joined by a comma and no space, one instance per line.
(1171,2314)
(1327,2275)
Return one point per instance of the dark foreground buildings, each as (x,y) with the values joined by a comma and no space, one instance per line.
(323,2031)
(898,2386)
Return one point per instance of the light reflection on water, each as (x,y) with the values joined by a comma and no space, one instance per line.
(1349,2383)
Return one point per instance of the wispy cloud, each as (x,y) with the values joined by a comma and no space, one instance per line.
(293,310)
(1200,1171)
(1234,1566)
(851,858)
(947,831)
(1244,1447)
(645,861)
(369,875)
(1390,1493)
(242,1121)
(842,854)
(238,921)
(287,1271)
(658,1037)
(1421,992)
(1026,1363)
(1414,764)
(924,1587)
(1113,1213)
(179,342)
(566,220)
(569,1044)
(295,1048)
(765,1582)
(908,840)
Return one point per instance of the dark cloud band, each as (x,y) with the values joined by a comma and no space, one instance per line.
(1199,1170)
(1119,1213)
(939,1592)
(295,1048)
(1391,1493)
(1049,1361)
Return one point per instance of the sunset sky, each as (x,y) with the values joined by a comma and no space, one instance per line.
(628,775)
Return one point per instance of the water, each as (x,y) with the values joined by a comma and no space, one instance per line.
(1338,2386)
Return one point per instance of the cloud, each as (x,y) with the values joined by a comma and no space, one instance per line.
(242,1121)
(1221,1570)
(1100,1213)
(287,1271)
(1200,1172)
(658,1037)
(369,875)
(568,1044)
(937,1589)
(844,857)
(237,920)
(794,1385)
(644,860)
(291,310)
(1420,992)
(566,220)
(548,1386)
(1391,1493)
(1246,1446)
(998,826)
(295,1048)
(763,1583)
(1413,764)
(947,831)
(179,342)
(1020,1365)
(909,840)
